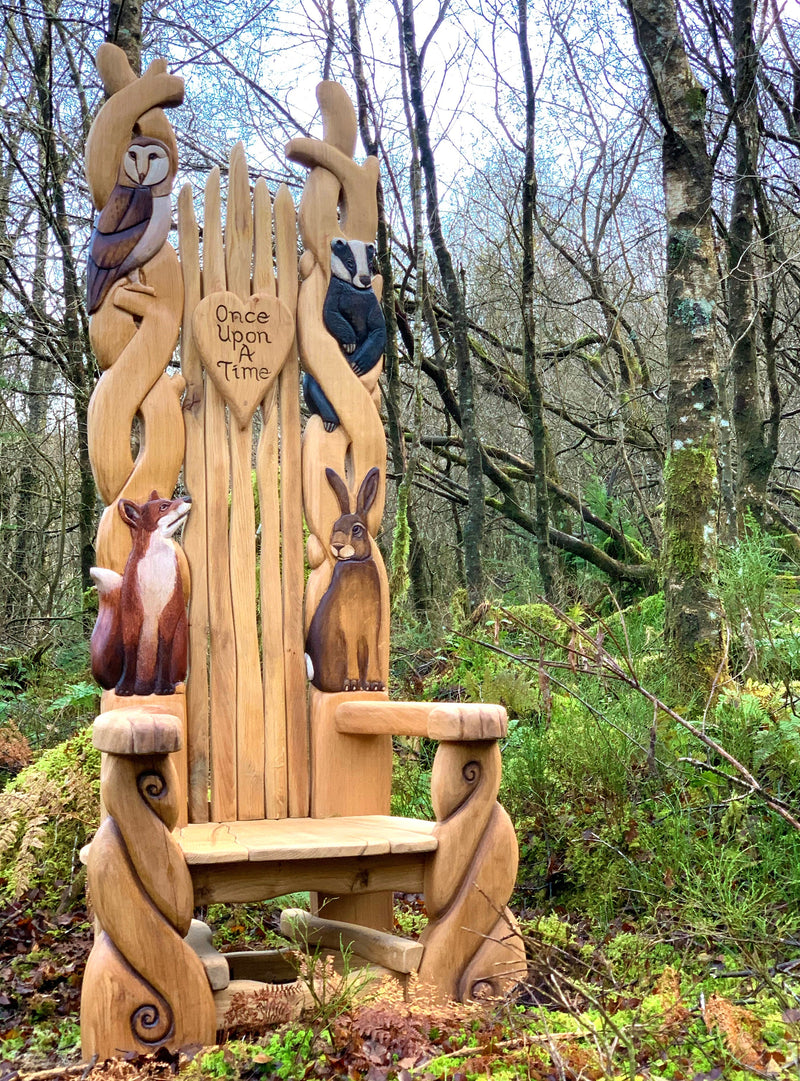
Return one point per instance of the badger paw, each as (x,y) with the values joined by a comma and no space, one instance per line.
(349,347)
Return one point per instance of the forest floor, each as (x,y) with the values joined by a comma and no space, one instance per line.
(630,1004)
(658,890)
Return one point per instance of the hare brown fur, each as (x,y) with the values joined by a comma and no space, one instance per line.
(342,641)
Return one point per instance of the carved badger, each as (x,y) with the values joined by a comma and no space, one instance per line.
(353,316)
(139,643)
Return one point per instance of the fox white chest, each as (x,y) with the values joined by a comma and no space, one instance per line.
(156,576)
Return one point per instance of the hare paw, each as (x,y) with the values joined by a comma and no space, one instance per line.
(375,685)
(350,685)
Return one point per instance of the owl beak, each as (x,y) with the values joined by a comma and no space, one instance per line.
(142,174)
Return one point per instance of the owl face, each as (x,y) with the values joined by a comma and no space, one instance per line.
(146,163)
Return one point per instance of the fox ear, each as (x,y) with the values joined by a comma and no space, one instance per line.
(153,496)
(368,491)
(340,490)
(130,512)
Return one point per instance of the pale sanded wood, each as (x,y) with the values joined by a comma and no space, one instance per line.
(215,963)
(275,761)
(442,721)
(195,530)
(256,881)
(263,271)
(206,843)
(138,731)
(140,969)
(400,955)
(352,774)
(305,838)
(291,511)
(222,651)
(242,554)
(469,880)
(267,966)
(172,704)
(133,383)
(143,987)
(333,155)
(243,343)
(133,788)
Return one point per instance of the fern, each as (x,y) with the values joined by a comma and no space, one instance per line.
(45,815)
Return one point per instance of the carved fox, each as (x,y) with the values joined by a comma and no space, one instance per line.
(139,642)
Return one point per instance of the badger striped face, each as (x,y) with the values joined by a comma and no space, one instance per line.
(351,260)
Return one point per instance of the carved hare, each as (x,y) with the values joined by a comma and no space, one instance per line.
(342,641)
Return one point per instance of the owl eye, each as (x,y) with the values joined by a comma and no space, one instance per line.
(131,154)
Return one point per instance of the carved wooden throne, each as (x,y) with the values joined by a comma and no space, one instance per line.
(247,783)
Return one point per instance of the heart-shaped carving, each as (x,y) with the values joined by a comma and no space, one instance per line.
(243,345)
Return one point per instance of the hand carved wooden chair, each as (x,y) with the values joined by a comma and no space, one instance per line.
(243,782)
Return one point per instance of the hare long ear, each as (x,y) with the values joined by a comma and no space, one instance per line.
(340,490)
(368,491)
(130,512)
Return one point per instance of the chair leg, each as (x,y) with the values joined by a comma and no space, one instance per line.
(472,945)
(144,987)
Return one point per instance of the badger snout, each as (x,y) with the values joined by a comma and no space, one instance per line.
(365,280)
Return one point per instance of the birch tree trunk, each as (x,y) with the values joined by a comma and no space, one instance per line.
(693,614)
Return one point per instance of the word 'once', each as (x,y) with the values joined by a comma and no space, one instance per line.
(242,341)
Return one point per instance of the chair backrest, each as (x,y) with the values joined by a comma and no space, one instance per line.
(254,747)
(247,746)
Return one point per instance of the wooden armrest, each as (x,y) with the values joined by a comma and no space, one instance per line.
(398,954)
(141,730)
(445,721)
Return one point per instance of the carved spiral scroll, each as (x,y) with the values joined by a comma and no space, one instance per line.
(471,946)
(153,1022)
(144,988)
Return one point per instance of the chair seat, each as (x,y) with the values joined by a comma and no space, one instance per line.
(284,839)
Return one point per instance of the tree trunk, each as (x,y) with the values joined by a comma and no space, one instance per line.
(693,615)
(544,554)
(125,30)
(472,528)
(756,441)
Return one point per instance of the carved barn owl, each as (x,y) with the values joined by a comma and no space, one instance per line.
(135,221)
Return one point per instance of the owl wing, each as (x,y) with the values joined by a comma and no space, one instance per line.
(120,226)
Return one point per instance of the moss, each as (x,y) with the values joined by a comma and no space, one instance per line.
(690,478)
(538,617)
(696,101)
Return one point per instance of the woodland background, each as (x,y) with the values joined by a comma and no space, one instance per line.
(590,246)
